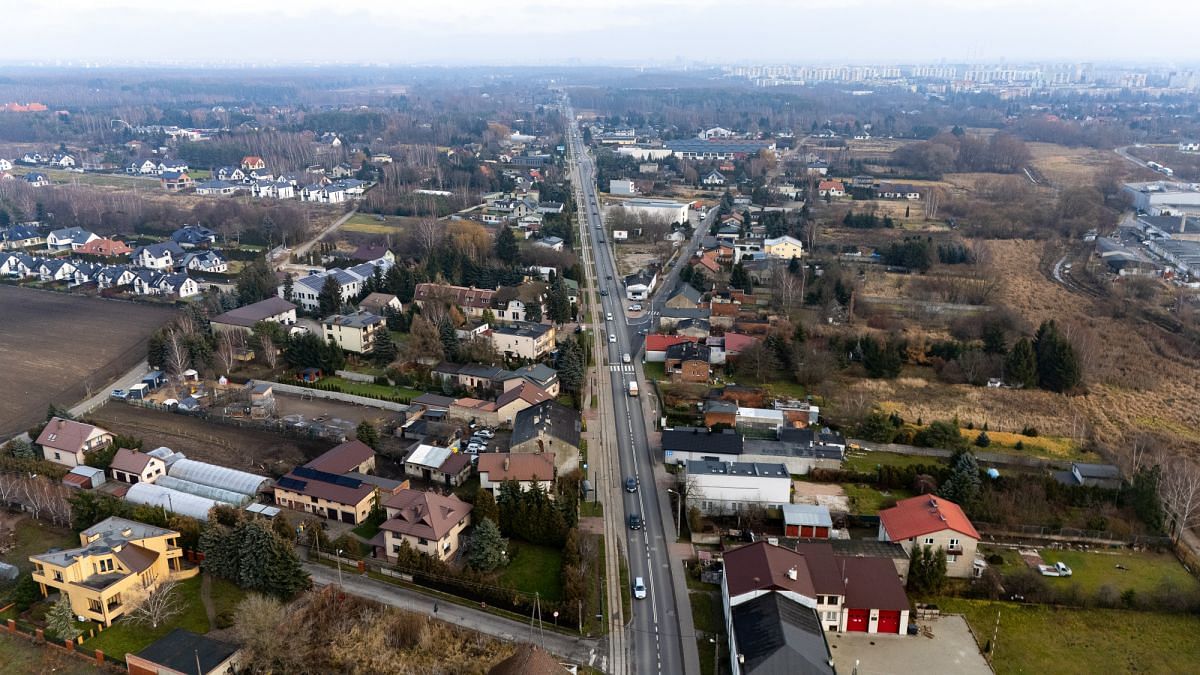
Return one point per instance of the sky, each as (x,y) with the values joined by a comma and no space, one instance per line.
(533,32)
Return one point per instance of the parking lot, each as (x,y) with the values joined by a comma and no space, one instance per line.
(952,649)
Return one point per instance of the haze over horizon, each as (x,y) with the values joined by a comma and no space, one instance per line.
(535,32)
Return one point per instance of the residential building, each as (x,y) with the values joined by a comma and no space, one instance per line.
(105,247)
(538,374)
(242,319)
(713,179)
(16,237)
(191,236)
(131,466)
(897,191)
(639,285)
(69,239)
(36,179)
(472,301)
(204,261)
(807,521)
(693,443)
(117,562)
(182,652)
(723,488)
(67,441)
(253,162)
(684,297)
(1104,476)
(164,256)
(380,303)
(524,340)
(775,635)
(525,468)
(215,187)
(176,181)
(354,332)
(657,345)
(321,488)
(427,521)
(785,247)
(688,362)
(513,303)
(438,465)
(349,457)
(513,401)
(548,427)
(928,520)
(831,188)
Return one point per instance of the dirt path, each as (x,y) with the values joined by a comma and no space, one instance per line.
(206,598)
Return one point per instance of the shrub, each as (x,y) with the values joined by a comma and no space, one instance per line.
(1029,431)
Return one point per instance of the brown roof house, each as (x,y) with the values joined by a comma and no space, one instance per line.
(529,660)
(349,456)
(131,466)
(688,362)
(334,485)
(497,467)
(429,522)
(66,441)
(379,303)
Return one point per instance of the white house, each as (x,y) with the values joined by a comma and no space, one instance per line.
(720,488)
(5,165)
(622,187)
(523,467)
(72,238)
(785,247)
(162,256)
(205,261)
(714,178)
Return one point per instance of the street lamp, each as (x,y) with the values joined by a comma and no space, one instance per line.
(716,654)
(679,512)
(339,566)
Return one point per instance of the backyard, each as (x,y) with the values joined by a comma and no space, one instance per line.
(19,655)
(1121,570)
(534,568)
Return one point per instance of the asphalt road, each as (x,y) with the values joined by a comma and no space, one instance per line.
(654,634)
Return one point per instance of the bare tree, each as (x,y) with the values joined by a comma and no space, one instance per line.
(226,351)
(785,288)
(1179,493)
(157,606)
(428,233)
(177,358)
(268,350)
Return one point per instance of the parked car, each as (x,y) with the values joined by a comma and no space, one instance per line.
(1063,570)
(475,448)
(119,394)
(486,433)
(635,307)
(631,484)
(635,521)
(639,588)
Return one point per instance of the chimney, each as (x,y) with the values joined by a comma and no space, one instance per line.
(792,574)
(506,460)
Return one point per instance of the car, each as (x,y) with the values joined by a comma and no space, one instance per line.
(471,450)
(608,276)
(119,394)
(639,588)
(603,292)
(608,316)
(625,357)
(631,484)
(1063,570)
(635,521)
(612,338)
(635,307)
(475,448)
(486,433)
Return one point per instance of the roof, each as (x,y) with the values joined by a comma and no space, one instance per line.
(807,514)
(694,439)
(529,660)
(688,351)
(687,291)
(360,319)
(923,515)
(519,466)
(428,455)
(342,458)
(523,329)
(135,558)
(424,514)
(527,391)
(131,461)
(761,566)
(659,343)
(180,650)
(776,635)
(863,587)
(117,526)
(737,342)
(323,485)
(66,434)
(375,302)
(1106,471)
(548,418)
(251,314)
(760,469)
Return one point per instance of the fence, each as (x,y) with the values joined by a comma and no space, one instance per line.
(981,455)
(294,428)
(1071,535)
(355,377)
(37,637)
(297,390)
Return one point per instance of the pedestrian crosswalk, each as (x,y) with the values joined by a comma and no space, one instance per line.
(621,368)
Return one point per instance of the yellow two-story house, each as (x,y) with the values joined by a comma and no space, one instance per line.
(118,562)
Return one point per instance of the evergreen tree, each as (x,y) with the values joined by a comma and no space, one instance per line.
(964,484)
(289,289)
(1057,363)
(487,546)
(572,367)
(329,299)
(740,279)
(926,570)
(982,440)
(255,282)
(1020,368)
(384,350)
(485,506)
(559,302)
(367,433)
(60,620)
(507,249)
(449,338)
(881,360)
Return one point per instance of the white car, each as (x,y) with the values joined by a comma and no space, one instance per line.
(608,317)
(635,308)
(612,338)
(485,433)
(625,357)
(475,448)
(639,588)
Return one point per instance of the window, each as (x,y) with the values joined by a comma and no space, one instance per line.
(94,605)
(954,543)
(951,559)
(57,456)
(422,541)
(395,548)
(831,617)
(929,541)
(58,575)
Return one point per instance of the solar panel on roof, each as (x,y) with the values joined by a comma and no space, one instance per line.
(291,483)
(326,477)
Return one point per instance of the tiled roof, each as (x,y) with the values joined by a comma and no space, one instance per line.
(520,466)
(918,516)
(424,514)
(342,458)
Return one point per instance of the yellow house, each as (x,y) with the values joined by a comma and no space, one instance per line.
(428,521)
(784,247)
(118,562)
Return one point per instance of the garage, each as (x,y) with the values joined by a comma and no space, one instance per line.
(857,620)
(889,621)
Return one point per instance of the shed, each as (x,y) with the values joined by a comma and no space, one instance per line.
(806,521)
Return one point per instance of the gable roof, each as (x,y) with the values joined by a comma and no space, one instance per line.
(688,351)
(66,435)
(527,391)
(520,466)
(550,418)
(776,635)
(529,660)
(918,516)
(659,343)
(375,302)
(253,313)
(424,514)
(131,461)
(342,458)
(687,291)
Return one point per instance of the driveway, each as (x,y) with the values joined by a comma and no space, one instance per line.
(952,649)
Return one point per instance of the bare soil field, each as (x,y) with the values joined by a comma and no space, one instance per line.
(1070,166)
(254,450)
(55,348)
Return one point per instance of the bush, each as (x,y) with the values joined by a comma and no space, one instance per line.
(1031,432)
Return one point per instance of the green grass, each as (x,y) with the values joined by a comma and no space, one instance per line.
(787,389)
(1147,571)
(122,637)
(370,389)
(655,371)
(18,655)
(535,568)
(626,592)
(32,538)
(591,509)
(225,597)
(863,461)
(709,619)
(367,529)
(98,179)
(866,500)
(1040,639)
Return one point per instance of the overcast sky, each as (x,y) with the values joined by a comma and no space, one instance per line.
(599,31)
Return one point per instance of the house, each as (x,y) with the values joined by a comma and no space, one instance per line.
(684,297)
(146,167)
(182,652)
(69,239)
(816,168)
(427,521)
(538,374)
(172,165)
(162,256)
(548,427)
(215,187)
(524,340)
(131,466)
(438,465)
(326,494)
(513,401)
(552,243)
(117,561)
(16,237)
(657,345)
(897,191)
(67,441)
(512,303)
(831,188)
(530,659)
(105,247)
(175,181)
(191,236)
(713,178)
(472,301)
(639,285)
(723,488)
(807,521)
(720,412)
(380,303)
(525,468)
(849,594)
(231,174)
(36,179)
(349,457)
(56,269)
(775,635)
(114,275)
(204,261)
(242,319)
(688,362)
(253,162)
(149,282)
(1104,476)
(5,164)
(785,247)
(928,520)
(688,443)
(354,332)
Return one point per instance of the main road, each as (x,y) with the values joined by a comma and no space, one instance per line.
(660,637)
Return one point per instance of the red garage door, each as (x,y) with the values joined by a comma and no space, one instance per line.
(856,620)
(889,621)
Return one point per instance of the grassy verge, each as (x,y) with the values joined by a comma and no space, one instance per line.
(591,509)
(594,625)
(1038,639)
(123,637)
(655,371)
(867,461)
(626,592)
(534,568)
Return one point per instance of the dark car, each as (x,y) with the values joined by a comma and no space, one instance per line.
(631,484)
(603,292)
(635,521)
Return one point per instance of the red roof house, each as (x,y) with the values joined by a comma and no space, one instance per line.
(929,520)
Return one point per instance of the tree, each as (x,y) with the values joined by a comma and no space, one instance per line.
(424,341)
(881,360)
(252,556)
(178,358)
(487,546)
(227,349)
(982,440)
(740,279)
(507,249)
(757,362)
(448,337)
(255,282)
(329,299)
(926,570)
(383,351)
(1057,362)
(158,606)
(289,291)
(367,433)
(1179,493)
(485,506)
(1020,368)
(964,484)
(559,302)
(533,312)
(941,434)
(572,366)
(60,620)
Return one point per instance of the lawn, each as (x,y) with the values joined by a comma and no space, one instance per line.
(1054,447)
(866,461)
(370,223)
(372,390)
(18,655)
(709,619)
(34,537)
(655,371)
(225,598)
(1146,571)
(535,568)
(591,509)
(866,500)
(1040,639)
(122,637)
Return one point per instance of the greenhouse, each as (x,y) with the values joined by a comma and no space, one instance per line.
(173,501)
(211,475)
(206,491)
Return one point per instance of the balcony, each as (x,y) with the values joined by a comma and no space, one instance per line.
(954,550)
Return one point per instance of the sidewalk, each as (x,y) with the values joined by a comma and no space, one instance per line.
(130,378)
(576,649)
